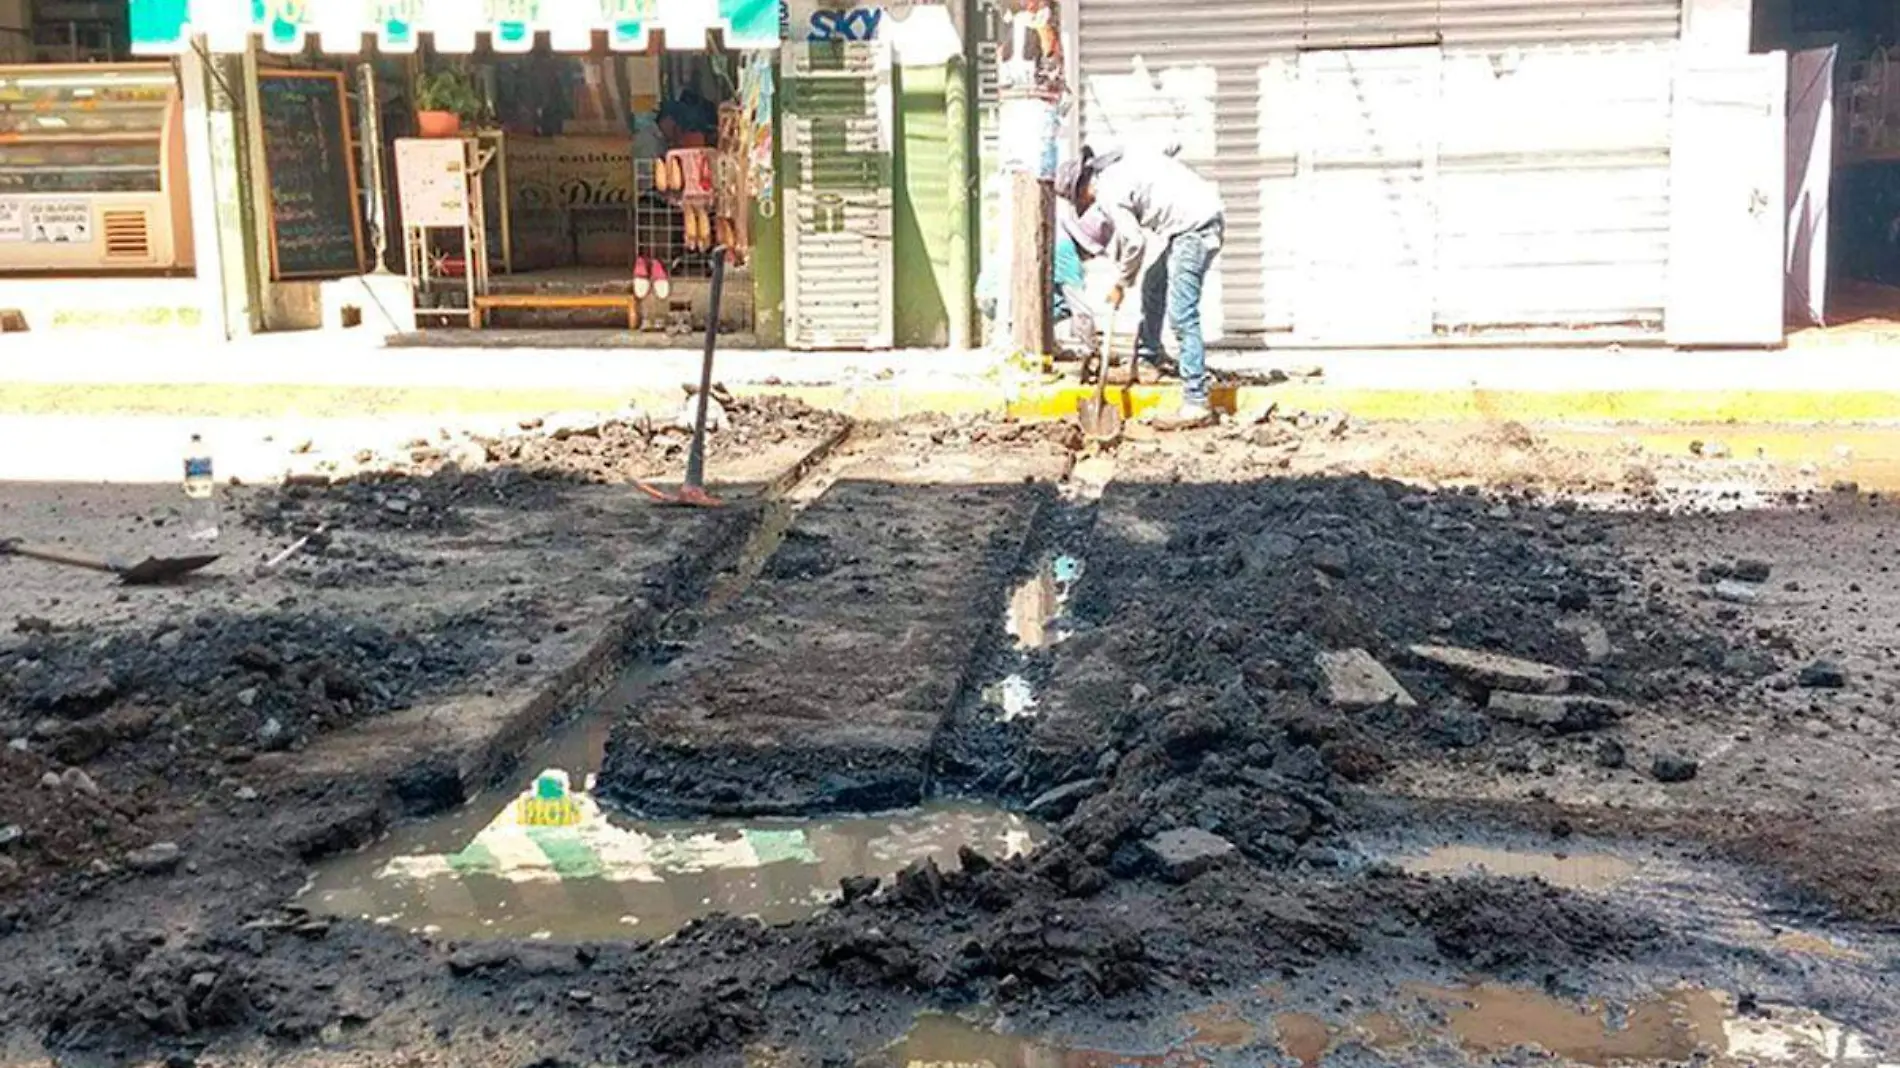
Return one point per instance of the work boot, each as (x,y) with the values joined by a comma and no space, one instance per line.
(1146,375)
(1190,416)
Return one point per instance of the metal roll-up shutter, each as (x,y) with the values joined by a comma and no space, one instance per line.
(1553,189)
(838,131)
(1221,78)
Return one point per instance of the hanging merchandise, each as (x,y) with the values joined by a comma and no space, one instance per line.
(756,90)
(732,204)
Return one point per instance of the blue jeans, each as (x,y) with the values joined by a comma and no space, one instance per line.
(1173,286)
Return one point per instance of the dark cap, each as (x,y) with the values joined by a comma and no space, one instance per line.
(1070,174)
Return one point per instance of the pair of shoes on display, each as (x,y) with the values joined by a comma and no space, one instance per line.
(650,277)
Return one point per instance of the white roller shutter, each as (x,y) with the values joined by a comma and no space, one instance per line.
(838,144)
(1224,80)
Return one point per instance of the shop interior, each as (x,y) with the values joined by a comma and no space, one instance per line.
(606,183)
(1861,184)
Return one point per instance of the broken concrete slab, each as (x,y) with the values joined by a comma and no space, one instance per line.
(1354,680)
(1565,714)
(1180,855)
(1495,670)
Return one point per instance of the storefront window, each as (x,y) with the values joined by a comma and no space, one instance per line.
(80,132)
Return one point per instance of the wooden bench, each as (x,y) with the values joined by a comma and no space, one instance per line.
(628,301)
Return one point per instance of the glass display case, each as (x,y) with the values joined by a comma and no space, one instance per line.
(92,168)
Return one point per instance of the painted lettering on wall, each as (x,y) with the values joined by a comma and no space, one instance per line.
(857,24)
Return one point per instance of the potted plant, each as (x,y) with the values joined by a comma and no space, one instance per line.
(445,99)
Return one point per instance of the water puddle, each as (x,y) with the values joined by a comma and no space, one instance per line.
(1037,609)
(553,864)
(1015,695)
(1436,1025)
(548,861)
(1037,620)
(952,1042)
(1575,871)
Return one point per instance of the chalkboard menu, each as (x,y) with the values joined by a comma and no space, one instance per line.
(309,161)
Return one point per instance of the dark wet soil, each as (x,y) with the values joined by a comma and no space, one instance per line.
(1206,799)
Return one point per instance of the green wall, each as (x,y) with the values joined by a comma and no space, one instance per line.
(768,243)
(932,217)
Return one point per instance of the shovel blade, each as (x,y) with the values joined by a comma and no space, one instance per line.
(154,569)
(1099,421)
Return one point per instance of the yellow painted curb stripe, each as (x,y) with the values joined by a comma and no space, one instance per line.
(1472,405)
(897,400)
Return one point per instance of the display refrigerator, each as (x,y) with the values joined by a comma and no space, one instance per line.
(92,169)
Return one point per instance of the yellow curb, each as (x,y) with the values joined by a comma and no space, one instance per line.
(893,400)
(1593,406)
(1474,405)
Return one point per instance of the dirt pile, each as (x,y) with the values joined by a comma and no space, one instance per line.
(1209,606)
(432,486)
(649,446)
(222,680)
(54,820)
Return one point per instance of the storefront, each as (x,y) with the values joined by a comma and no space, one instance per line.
(92,170)
(606,149)
(1499,171)
(1844,163)
(604,152)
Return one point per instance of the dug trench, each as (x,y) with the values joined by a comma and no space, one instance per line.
(1226,815)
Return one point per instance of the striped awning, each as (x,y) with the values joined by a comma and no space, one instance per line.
(165,27)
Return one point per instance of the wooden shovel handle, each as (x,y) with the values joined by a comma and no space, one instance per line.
(56,556)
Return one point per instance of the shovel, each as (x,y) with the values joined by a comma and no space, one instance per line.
(693,491)
(152,569)
(1101,422)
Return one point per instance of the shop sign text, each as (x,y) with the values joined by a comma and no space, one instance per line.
(857,24)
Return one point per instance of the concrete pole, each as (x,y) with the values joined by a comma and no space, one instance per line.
(963,191)
(216,177)
(257,181)
(1032,262)
(1030,86)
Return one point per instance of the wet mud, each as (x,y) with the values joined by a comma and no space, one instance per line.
(1245,857)
(823,686)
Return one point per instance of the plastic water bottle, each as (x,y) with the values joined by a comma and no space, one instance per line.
(201,492)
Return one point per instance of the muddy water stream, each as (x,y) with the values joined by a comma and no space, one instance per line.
(544,859)
(1426,1024)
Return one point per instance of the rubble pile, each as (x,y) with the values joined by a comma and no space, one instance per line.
(430,485)
(259,683)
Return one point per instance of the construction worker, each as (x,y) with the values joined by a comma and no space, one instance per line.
(1154,196)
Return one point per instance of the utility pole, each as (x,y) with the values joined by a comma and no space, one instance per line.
(1029,87)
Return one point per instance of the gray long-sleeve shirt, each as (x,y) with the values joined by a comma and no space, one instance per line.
(1150,193)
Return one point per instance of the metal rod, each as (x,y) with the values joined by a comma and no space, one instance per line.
(696,453)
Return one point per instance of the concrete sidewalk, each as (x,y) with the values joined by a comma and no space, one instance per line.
(344,375)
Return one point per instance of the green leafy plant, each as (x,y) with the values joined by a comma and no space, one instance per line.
(450,90)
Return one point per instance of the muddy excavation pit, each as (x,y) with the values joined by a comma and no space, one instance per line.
(1306,770)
